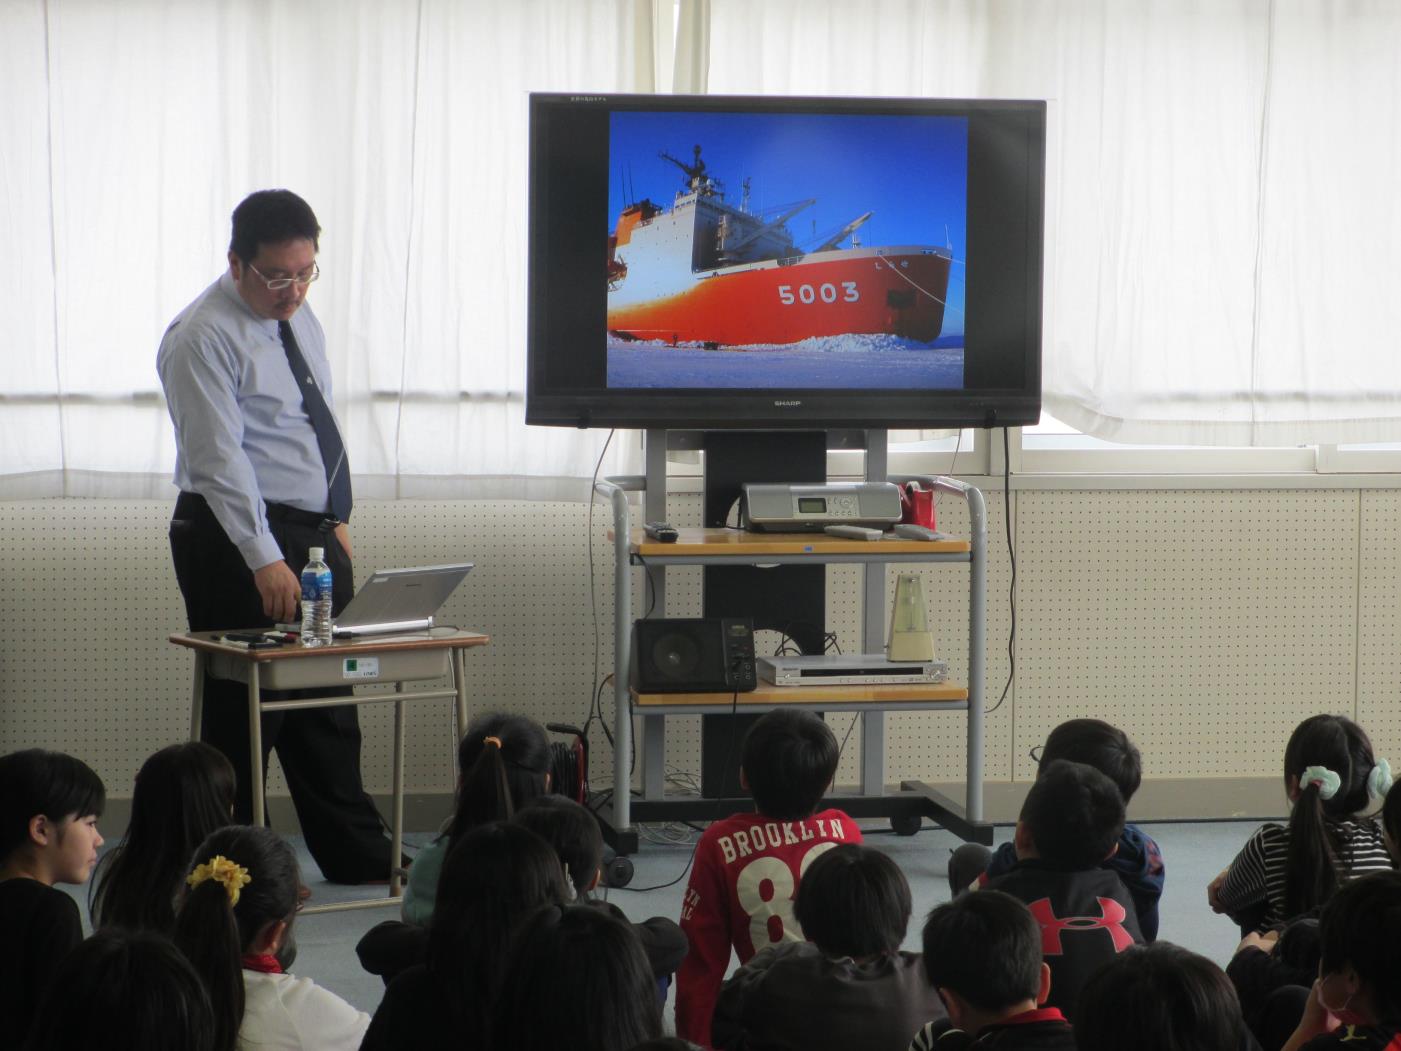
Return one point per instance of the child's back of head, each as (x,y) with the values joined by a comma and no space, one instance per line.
(1073,815)
(789,759)
(601,994)
(1331,774)
(493,875)
(42,794)
(1359,930)
(183,793)
(573,833)
(1096,743)
(124,991)
(853,901)
(242,884)
(503,761)
(1159,998)
(986,948)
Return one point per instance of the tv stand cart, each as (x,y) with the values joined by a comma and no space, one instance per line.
(778,579)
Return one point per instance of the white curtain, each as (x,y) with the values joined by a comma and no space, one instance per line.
(1222,210)
(1221,205)
(129,130)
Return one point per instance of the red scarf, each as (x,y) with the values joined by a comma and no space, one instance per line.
(263,963)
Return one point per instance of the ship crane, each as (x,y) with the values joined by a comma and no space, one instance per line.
(696,178)
(760,231)
(845,232)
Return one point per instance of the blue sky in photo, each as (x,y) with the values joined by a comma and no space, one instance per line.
(910,170)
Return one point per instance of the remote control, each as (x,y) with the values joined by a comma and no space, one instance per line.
(662,532)
(910,531)
(853,532)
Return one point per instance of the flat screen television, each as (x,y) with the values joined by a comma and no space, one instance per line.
(771,262)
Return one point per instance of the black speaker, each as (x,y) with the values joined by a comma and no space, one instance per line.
(712,655)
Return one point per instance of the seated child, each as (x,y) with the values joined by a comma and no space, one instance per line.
(848,985)
(787,762)
(49,806)
(1137,860)
(1069,825)
(982,954)
(503,762)
(575,835)
(136,993)
(183,793)
(1272,973)
(574,977)
(1330,776)
(234,920)
(1356,1001)
(1160,998)
(494,875)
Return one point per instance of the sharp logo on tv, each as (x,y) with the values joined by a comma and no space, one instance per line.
(791,403)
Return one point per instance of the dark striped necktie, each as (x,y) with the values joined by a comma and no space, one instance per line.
(328,435)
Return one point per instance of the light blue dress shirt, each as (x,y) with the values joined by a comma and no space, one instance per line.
(242,436)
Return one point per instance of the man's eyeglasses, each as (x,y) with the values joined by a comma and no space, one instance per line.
(277,284)
(1035,753)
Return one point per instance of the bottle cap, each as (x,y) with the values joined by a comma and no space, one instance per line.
(316,553)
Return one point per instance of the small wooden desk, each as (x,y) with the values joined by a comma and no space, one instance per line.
(363,661)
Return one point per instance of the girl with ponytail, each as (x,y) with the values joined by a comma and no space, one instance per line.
(234,920)
(503,762)
(1284,871)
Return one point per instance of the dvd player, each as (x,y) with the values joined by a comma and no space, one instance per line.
(849,669)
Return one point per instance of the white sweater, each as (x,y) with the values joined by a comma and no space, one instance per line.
(285,1013)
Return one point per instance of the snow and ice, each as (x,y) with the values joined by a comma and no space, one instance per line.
(838,362)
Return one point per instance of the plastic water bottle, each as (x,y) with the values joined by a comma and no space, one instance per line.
(316,600)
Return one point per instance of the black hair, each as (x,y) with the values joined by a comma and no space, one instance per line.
(1159,997)
(1391,822)
(183,793)
(1316,854)
(1096,743)
(498,775)
(124,991)
(986,947)
(665,1043)
(572,831)
(214,933)
(602,995)
(789,758)
(853,901)
(1359,928)
(271,217)
(492,876)
(1300,947)
(35,782)
(1075,815)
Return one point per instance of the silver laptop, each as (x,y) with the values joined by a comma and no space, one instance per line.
(399,600)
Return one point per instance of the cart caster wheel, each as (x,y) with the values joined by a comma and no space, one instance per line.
(906,824)
(618,872)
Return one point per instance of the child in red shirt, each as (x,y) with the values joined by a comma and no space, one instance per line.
(748,866)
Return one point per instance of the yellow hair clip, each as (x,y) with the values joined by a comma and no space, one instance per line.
(231,874)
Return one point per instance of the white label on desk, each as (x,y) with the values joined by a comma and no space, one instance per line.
(360,668)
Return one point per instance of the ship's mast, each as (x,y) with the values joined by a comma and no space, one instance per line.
(696,179)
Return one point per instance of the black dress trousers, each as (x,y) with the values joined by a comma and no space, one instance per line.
(319,748)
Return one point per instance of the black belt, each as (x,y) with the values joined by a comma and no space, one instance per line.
(297,516)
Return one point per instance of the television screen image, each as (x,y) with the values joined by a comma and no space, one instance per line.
(786,250)
(781,262)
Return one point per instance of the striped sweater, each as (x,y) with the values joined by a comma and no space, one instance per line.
(1258,872)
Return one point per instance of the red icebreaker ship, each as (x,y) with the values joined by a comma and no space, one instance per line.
(710,273)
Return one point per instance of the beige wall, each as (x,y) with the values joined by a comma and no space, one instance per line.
(1206,623)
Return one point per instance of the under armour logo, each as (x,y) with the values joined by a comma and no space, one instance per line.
(1111,919)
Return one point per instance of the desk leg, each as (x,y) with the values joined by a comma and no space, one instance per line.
(255,742)
(459,682)
(197,704)
(396,850)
